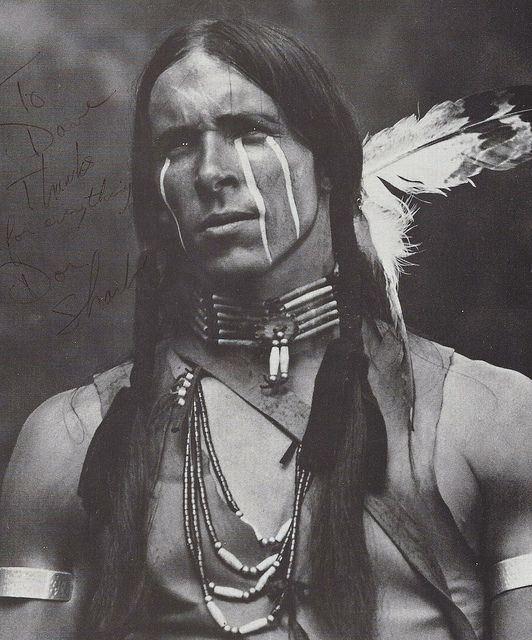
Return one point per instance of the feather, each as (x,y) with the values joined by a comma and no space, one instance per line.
(452,143)
(448,146)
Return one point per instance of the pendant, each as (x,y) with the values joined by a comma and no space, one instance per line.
(276,334)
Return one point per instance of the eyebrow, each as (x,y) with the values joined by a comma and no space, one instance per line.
(225,119)
(250,116)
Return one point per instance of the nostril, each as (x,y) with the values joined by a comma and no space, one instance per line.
(227,181)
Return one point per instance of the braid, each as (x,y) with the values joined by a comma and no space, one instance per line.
(114,480)
(361,298)
(146,328)
(345,445)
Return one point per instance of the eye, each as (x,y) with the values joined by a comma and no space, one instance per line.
(174,142)
(181,142)
(253,132)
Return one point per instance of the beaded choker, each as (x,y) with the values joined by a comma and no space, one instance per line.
(279,562)
(273,324)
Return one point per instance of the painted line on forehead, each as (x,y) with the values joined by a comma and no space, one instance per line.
(287,180)
(256,194)
(163,194)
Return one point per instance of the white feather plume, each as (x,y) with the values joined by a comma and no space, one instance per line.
(452,143)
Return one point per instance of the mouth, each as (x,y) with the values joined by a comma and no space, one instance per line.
(224,218)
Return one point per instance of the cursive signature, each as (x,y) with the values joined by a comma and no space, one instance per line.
(76,306)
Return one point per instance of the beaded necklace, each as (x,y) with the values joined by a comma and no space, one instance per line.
(281,548)
(273,324)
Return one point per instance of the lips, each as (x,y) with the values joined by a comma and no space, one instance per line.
(226,217)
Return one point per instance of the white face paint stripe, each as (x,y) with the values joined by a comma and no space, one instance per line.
(287,179)
(163,194)
(257,196)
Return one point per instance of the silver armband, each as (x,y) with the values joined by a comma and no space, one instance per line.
(39,584)
(512,573)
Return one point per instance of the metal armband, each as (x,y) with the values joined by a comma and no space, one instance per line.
(39,584)
(512,573)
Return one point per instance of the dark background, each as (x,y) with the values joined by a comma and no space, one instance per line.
(471,288)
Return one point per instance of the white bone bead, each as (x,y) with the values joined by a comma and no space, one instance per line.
(254,625)
(274,362)
(230,559)
(283,530)
(216,613)
(228,592)
(264,578)
(284,359)
(181,402)
(182,392)
(266,563)
(311,295)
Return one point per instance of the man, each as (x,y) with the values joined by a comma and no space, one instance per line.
(266,468)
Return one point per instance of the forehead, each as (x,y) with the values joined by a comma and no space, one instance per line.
(199,88)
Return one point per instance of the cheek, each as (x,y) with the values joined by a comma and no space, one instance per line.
(174,192)
(303,176)
(174,184)
(285,178)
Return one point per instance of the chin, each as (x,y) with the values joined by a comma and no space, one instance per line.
(237,267)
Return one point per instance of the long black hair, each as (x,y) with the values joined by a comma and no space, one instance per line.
(316,109)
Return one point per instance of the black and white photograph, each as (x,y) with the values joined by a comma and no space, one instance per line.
(265,313)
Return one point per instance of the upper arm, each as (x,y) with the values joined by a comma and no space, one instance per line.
(499,452)
(488,411)
(489,414)
(41,518)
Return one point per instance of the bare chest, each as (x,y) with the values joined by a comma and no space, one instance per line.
(249,448)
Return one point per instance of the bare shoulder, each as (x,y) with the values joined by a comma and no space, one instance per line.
(487,411)
(54,439)
(40,510)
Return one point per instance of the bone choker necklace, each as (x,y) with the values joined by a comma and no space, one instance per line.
(271,325)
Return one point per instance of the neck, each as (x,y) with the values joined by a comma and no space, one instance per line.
(296,316)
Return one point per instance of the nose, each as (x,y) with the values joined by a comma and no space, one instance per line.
(217,167)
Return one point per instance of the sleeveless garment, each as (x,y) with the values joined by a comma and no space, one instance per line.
(407,609)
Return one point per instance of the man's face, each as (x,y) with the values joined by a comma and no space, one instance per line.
(240,186)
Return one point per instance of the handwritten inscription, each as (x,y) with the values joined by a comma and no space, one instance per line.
(56,185)
(51,190)
(74,306)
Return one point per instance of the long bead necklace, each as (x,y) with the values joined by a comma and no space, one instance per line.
(279,564)
(273,324)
